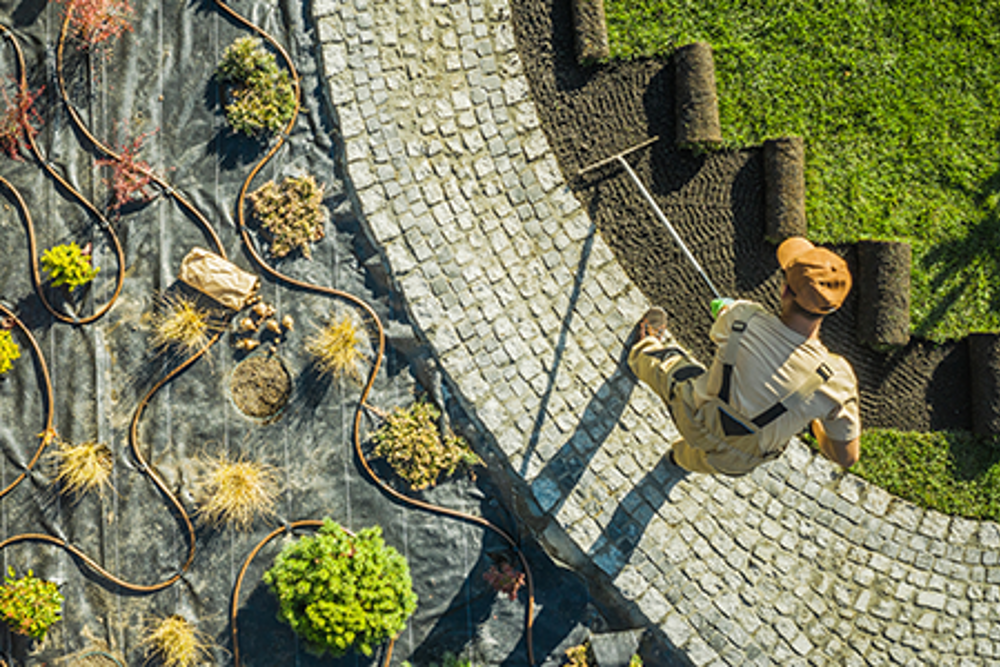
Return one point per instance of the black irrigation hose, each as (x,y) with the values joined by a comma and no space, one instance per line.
(277,275)
(36,277)
(48,434)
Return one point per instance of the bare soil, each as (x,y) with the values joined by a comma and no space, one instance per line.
(716,202)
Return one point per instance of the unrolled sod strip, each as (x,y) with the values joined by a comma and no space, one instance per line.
(697,105)
(784,188)
(883,283)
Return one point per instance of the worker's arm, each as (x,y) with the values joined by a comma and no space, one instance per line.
(844,453)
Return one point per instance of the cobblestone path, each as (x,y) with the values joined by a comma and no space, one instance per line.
(529,315)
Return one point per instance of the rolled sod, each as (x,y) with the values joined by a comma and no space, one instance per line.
(984,372)
(591,31)
(696,100)
(784,188)
(883,284)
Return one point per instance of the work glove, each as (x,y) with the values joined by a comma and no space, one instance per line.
(719,304)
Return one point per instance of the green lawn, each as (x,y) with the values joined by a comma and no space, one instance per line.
(900,106)
(899,103)
(954,473)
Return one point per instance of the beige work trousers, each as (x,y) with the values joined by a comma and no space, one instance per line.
(661,365)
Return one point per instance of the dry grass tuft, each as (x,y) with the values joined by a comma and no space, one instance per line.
(84,467)
(177,321)
(177,643)
(335,348)
(237,492)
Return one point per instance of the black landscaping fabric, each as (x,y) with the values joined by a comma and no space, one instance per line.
(158,80)
(716,202)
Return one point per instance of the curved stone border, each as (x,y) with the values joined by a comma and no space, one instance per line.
(529,315)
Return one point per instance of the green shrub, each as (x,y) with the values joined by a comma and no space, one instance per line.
(9,351)
(29,606)
(67,264)
(292,214)
(340,591)
(260,94)
(409,440)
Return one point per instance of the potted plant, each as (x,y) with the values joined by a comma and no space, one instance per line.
(260,95)
(29,606)
(340,591)
(69,265)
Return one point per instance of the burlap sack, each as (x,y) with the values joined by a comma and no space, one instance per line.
(218,278)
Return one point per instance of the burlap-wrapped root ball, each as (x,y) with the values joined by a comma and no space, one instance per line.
(784,188)
(696,100)
(883,284)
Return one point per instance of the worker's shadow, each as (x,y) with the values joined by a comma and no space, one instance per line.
(628,523)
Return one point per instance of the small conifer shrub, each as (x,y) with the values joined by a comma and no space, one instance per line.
(410,441)
(69,265)
(29,606)
(340,591)
(9,351)
(292,214)
(260,96)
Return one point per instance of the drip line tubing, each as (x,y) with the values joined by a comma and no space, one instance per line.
(49,432)
(36,277)
(359,412)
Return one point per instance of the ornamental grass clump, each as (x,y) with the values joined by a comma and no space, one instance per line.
(84,467)
(292,214)
(237,492)
(260,95)
(9,351)
(410,441)
(335,348)
(340,592)
(176,643)
(29,606)
(178,322)
(69,265)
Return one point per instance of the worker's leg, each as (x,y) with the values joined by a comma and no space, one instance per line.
(690,458)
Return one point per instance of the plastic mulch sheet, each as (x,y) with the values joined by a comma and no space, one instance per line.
(157,82)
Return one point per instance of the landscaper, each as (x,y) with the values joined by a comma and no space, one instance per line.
(771,376)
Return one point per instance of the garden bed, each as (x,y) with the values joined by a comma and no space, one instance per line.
(287,414)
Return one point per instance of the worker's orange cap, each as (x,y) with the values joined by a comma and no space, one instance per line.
(820,278)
